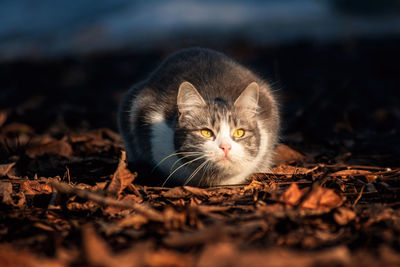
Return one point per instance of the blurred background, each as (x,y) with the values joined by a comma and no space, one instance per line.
(48,28)
(334,63)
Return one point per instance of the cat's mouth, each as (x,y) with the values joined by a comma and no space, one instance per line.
(224,160)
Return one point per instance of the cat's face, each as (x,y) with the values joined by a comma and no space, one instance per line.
(223,136)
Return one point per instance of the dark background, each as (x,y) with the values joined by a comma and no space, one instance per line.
(333,64)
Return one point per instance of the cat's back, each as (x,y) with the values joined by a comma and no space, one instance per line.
(189,63)
(211,71)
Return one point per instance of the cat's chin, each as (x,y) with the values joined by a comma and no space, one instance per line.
(224,162)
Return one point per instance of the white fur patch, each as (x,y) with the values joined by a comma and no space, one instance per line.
(247,165)
(223,136)
(162,144)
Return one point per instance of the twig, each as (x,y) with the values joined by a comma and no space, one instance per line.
(352,167)
(359,196)
(147,210)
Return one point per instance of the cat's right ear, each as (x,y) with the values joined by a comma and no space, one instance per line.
(189,97)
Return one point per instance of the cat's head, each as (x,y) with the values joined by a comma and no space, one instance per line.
(221,132)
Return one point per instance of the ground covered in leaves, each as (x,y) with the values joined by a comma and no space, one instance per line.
(333,199)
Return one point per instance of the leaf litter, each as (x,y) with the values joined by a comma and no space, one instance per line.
(298,214)
(68,199)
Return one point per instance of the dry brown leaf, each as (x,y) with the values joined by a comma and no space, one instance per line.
(122,177)
(254,184)
(288,170)
(285,154)
(57,147)
(197,191)
(292,195)
(322,198)
(35,187)
(371,178)
(5,168)
(176,192)
(344,215)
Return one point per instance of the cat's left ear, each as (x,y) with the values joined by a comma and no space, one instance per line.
(248,99)
(189,97)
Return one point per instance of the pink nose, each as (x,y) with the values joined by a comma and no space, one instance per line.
(226,148)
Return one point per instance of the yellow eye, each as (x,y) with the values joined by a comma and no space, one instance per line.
(238,133)
(206,133)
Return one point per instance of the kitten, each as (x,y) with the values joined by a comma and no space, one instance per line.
(199,119)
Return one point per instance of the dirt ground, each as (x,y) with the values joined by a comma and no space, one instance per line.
(333,199)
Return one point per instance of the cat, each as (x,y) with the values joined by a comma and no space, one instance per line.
(200,119)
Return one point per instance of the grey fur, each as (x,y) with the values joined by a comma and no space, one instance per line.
(219,81)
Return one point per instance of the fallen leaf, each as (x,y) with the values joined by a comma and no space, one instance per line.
(5,168)
(122,177)
(292,195)
(322,198)
(254,184)
(371,178)
(176,192)
(288,170)
(196,191)
(344,215)
(35,187)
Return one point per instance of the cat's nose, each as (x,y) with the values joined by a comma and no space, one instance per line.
(226,148)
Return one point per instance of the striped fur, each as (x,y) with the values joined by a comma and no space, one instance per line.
(161,119)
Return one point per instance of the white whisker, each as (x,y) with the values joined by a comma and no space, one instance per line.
(181,158)
(174,154)
(169,176)
(195,172)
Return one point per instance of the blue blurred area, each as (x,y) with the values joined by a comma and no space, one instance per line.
(46,28)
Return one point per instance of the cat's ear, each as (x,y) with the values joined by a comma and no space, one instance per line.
(248,99)
(189,97)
